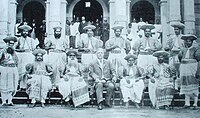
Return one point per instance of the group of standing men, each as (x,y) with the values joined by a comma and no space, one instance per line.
(131,65)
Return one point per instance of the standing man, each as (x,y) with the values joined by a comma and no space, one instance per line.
(163,76)
(189,70)
(105,31)
(89,45)
(132,85)
(56,55)
(73,35)
(104,75)
(24,48)
(38,84)
(81,26)
(9,75)
(117,47)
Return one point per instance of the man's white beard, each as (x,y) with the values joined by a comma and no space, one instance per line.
(73,63)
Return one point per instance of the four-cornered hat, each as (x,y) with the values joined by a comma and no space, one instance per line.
(130,56)
(147,26)
(161,53)
(178,24)
(25,27)
(92,27)
(10,39)
(39,51)
(188,37)
(57,27)
(115,27)
(72,52)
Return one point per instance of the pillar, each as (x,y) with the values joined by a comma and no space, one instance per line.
(3,21)
(174,13)
(128,10)
(163,13)
(12,17)
(189,17)
(63,12)
(112,16)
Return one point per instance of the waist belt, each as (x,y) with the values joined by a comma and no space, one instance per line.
(145,53)
(187,61)
(40,73)
(116,51)
(8,65)
(56,50)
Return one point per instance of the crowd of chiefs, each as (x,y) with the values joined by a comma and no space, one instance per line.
(130,63)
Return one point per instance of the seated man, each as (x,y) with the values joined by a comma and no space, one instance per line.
(162,76)
(132,85)
(104,76)
(72,81)
(38,83)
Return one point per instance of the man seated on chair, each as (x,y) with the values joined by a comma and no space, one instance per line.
(72,82)
(132,84)
(38,84)
(104,76)
(162,75)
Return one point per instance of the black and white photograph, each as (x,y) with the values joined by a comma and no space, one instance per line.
(99,58)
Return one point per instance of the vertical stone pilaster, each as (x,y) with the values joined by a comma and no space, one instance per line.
(189,16)
(4,6)
(112,15)
(12,16)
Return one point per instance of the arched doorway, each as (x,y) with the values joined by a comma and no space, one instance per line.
(91,9)
(34,11)
(144,10)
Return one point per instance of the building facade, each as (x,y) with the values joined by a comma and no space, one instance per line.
(56,12)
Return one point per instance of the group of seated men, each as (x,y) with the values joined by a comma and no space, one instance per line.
(40,70)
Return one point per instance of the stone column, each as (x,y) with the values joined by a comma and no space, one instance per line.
(174,13)
(128,10)
(47,17)
(121,14)
(12,17)
(54,16)
(63,12)
(112,16)
(189,17)
(163,13)
(4,6)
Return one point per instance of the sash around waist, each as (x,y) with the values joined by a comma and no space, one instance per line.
(8,65)
(188,61)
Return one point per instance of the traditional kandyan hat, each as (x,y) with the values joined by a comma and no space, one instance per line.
(25,27)
(92,27)
(117,27)
(10,39)
(178,24)
(57,27)
(161,53)
(72,52)
(39,51)
(188,37)
(130,56)
(147,26)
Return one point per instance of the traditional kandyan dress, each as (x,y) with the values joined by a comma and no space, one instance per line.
(133,90)
(9,76)
(190,58)
(73,84)
(116,56)
(39,84)
(161,92)
(145,57)
(25,57)
(56,57)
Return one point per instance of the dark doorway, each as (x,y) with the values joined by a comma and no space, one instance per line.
(144,10)
(92,12)
(34,11)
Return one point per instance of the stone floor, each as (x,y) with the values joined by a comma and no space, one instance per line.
(53,111)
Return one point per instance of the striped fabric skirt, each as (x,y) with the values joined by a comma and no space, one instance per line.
(189,83)
(9,78)
(164,92)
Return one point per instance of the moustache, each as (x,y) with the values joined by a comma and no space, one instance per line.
(10,50)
